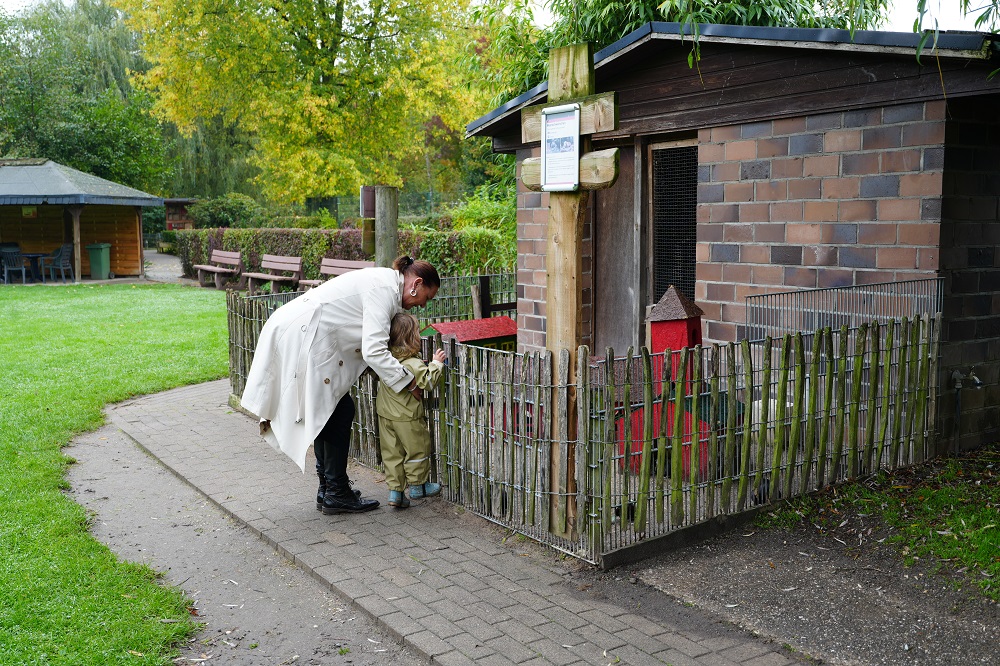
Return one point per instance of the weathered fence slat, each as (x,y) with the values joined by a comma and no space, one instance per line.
(811,413)
(609,436)
(794,445)
(854,406)
(875,366)
(694,459)
(840,411)
(646,460)
(677,444)
(900,393)
(713,435)
(780,427)
(730,456)
(824,436)
(741,500)
(765,413)
(581,448)
(661,445)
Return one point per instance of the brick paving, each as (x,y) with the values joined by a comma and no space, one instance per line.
(452,594)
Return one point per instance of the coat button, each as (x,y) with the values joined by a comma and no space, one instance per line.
(326,381)
(357,351)
(340,363)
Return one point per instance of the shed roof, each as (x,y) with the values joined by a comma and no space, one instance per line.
(955,44)
(33,182)
(477,329)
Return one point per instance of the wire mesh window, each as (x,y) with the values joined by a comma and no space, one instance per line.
(675,201)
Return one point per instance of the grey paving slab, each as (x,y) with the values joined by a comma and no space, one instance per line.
(439,580)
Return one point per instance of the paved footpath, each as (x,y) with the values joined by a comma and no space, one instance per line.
(448,589)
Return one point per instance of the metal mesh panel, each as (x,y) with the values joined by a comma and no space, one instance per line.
(675,200)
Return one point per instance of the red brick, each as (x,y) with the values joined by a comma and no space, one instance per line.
(935,110)
(755,212)
(920,184)
(540,215)
(741,150)
(722,332)
(736,273)
(755,254)
(876,234)
(711,310)
(835,277)
(711,152)
(923,134)
(738,233)
(841,188)
(805,188)
(700,291)
(709,272)
(837,141)
(769,233)
(726,171)
(533,292)
(894,161)
(881,138)
(854,164)
(734,312)
(727,133)
(802,234)
(796,276)
(786,211)
(705,135)
(772,147)
(819,255)
(725,212)
(821,165)
(534,261)
(857,210)
(775,190)
(896,257)
(703,252)
(709,233)
(787,168)
(925,235)
(899,209)
(789,125)
(873,277)
(720,291)
(928,259)
(739,192)
(763,275)
(820,211)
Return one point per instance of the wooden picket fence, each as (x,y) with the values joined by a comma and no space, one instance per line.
(645,445)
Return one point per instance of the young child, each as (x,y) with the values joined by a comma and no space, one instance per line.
(405,440)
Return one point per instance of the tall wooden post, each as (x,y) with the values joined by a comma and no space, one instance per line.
(75,211)
(386,225)
(571,80)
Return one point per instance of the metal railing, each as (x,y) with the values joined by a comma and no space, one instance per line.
(811,309)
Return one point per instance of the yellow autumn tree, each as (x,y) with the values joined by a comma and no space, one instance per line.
(336,94)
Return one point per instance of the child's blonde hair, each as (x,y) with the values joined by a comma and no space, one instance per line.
(404,336)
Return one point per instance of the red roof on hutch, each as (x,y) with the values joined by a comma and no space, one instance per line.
(477,329)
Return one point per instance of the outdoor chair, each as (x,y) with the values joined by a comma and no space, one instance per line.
(61,260)
(12,263)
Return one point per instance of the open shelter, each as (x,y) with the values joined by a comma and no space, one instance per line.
(44,205)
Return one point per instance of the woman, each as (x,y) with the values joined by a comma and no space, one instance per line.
(313,349)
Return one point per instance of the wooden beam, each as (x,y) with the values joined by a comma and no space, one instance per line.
(598,170)
(571,72)
(77,263)
(598,113)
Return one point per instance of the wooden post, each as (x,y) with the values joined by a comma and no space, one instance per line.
(386,225)
(75,212)
(571,79)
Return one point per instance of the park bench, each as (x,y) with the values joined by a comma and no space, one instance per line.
(276,267)
(334,267)
(225,265)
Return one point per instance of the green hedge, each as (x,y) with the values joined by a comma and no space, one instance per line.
(470,251)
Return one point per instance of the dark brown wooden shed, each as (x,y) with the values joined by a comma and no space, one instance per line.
(787,159)
(44,205)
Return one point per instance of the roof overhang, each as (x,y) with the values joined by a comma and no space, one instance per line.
(962,45)
(78,200)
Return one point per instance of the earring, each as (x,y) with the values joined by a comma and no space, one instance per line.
(413,292)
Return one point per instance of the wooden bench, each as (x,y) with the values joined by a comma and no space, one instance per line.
(225,265)
(334,267)
(276,266)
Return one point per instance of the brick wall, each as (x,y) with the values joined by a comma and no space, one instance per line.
(532,227)
(970,264)
(820,201)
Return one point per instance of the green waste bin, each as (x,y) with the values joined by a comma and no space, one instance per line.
(100,260)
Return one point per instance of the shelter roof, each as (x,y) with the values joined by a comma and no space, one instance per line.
(33,182)
(950,44)
(674,306)
(477,329)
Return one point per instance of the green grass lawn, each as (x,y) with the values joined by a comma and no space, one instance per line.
(65,353)
(945,512)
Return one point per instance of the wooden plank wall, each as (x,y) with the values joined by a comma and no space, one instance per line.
(118,225)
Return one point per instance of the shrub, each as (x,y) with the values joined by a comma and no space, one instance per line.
(230,210)
(488,208)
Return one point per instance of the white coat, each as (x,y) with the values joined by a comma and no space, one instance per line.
(312,349)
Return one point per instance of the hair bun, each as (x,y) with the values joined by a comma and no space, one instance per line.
(402,263)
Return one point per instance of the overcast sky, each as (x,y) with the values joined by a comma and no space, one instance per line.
(900,18)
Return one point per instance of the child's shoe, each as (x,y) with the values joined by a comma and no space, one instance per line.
(398,499)
(428,489)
